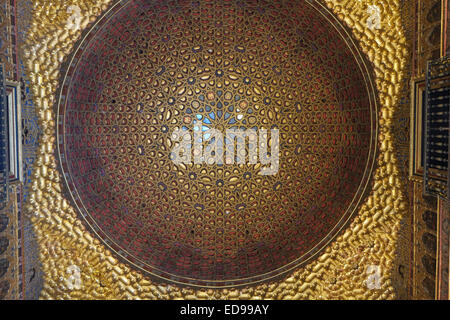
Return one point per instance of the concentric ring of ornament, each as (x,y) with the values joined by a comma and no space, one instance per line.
(146,68)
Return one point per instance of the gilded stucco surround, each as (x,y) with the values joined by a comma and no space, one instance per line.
(339,273)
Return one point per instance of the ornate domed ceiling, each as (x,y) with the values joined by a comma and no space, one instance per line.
(148,68)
